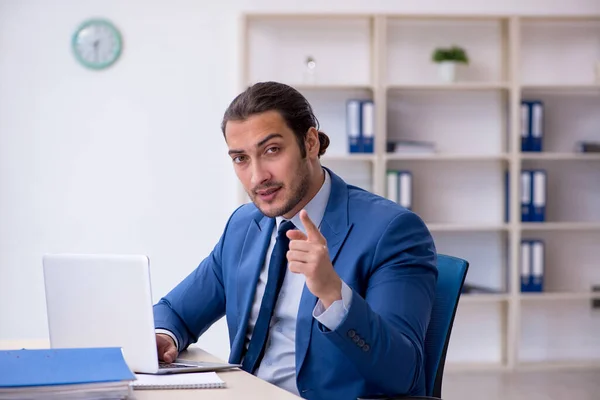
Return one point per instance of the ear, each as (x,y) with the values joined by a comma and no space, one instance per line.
(312,143)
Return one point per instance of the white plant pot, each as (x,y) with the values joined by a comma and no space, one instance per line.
(447,71)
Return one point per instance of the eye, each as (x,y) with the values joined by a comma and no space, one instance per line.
(239,159)
(272,149)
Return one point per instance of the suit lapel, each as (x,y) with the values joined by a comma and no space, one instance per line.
(335,229)
(252,259)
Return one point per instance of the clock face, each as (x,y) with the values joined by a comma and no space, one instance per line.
(97,44)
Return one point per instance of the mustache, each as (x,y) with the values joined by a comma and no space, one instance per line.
(266,186)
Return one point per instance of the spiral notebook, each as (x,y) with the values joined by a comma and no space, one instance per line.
(192,380)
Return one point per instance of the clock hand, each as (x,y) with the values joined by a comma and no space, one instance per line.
(96,44)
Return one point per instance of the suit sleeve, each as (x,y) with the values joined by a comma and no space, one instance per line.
(197,302)
(383,333)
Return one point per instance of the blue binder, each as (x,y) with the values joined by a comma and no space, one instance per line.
(43,367)
(405,189)
(532,125)
(525,265)
(537,125)
(526,196)
(538,195)
(367,118)
(392,185)
(525,127)
(536,283)
(354,125)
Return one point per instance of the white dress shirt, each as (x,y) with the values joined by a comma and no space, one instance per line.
(278,365)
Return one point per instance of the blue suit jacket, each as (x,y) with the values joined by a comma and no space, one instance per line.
(382,251)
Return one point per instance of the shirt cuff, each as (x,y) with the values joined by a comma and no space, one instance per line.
(169,333)
(332,317)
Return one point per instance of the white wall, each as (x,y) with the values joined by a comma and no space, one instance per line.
(128,160)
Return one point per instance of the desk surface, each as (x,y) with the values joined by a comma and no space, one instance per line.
(240,384)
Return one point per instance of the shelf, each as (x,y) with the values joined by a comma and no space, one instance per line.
(303,16)
(348,157)
(462,186)
(450,86)
(560,18)
(469,298)
(558,296)
(466,227)
(446,157)
(562,87)
(302,86)
(561,156)
(560,226)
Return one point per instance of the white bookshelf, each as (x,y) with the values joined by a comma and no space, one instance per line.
(458,86)
(459,190)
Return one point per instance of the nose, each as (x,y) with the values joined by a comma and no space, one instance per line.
(260,174)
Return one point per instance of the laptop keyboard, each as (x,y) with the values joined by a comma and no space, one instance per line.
(162,364)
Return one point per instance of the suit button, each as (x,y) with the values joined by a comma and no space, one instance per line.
(351,333)
(366,347)
(361,343)
(356,338)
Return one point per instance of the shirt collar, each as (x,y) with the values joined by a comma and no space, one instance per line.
(315,207)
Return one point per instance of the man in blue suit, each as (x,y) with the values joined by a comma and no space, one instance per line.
(327,289)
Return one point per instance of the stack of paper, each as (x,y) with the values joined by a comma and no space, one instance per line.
(193,380)
(92,373)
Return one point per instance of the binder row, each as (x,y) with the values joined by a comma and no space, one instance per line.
(360,125)
(399,187)
(532,265)
(533,195)
(532,125)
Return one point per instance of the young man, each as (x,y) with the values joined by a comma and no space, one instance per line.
(327,289)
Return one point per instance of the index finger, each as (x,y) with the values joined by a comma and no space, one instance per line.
(312,231)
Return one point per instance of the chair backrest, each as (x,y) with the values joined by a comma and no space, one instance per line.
(451,277)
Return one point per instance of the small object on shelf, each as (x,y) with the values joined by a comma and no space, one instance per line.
(469,288)
(310,77)
(595,301)
(410,147)
(448,59)
(587,147)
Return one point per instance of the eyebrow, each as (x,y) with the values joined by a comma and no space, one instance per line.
(259,144)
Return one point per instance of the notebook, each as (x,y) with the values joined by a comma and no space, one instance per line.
(192,380)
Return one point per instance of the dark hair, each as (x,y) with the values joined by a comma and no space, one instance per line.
(273,96)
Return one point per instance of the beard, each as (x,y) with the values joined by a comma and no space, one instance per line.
(298,188)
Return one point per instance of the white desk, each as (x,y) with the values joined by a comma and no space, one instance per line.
(240,384)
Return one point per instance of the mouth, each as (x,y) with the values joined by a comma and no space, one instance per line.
(268,195)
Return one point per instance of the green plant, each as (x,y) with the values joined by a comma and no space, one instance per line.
(454,53)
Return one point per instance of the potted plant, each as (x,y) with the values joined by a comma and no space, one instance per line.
(448,59)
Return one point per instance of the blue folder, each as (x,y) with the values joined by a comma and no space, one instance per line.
(539,194)
(354,125)
(532,125)
(48,367)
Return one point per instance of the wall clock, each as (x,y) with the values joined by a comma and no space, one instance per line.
(97,44)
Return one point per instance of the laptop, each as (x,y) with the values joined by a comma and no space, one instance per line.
(95,300)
